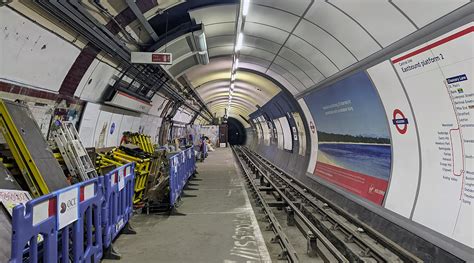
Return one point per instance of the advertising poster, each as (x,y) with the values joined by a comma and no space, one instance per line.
(287,139)
(437,77)
(354,150)
(300,132)
(266,132)
(279,132)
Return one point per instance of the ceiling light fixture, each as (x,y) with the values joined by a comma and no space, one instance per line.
(240,41)
(246,7)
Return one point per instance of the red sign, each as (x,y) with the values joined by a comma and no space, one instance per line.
(151,58)
(161,58)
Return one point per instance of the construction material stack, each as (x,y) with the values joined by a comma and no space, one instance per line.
(24,142)
(139,149)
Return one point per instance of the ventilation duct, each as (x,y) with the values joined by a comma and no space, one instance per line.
(203,57)
(201,46)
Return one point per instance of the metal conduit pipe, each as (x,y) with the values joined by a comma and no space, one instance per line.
(75,15)
(133,6)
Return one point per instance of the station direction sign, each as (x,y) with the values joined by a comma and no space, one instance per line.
(152,58)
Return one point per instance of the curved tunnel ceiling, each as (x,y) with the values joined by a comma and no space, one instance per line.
(296,43)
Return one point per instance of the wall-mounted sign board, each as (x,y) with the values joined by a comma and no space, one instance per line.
(152,58)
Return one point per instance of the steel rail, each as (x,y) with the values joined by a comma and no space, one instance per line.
(288,251)
(289,202)
(352,234)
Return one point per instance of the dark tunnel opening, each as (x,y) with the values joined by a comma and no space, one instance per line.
(236,132)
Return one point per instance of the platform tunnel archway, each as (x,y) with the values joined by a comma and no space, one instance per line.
(326,90)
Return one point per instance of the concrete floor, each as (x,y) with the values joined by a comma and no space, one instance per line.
(218,223)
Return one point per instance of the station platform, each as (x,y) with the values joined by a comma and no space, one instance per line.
(214,222)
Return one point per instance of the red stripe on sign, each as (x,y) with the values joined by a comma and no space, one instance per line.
(133,98)
(52,207)
(125,172)
(435,44)
(116,177)
(81,193)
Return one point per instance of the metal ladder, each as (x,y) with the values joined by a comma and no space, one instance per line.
(73,152)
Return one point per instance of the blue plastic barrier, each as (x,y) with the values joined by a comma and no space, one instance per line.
(63,226)
(118,201)
(182,166)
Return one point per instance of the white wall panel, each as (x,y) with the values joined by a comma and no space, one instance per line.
(83,83)
(31,55)
(253,63)
(114,135)
(95,129)
(88,124)
(295,71)
(317,58)
(378,16)
(261,43)
(218,41)
(403,184)
(294,7)
(343,28)
(306,66)
(295,82)
(126,125)
(102,129)
(250,51)
(431,10)
(95,81)
(157,105)
(272,16)
(270,33)
(219,51)
(326,43)
(214,14)
(313,136)
(154,128)
(216,30)
(144,123)
(136,121)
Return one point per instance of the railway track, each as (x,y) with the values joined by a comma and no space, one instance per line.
(332,234)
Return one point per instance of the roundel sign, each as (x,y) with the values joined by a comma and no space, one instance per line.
(400,121)
(112,128)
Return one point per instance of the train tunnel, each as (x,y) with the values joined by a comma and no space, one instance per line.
(237,131)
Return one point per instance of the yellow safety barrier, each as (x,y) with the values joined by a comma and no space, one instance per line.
(142,169)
